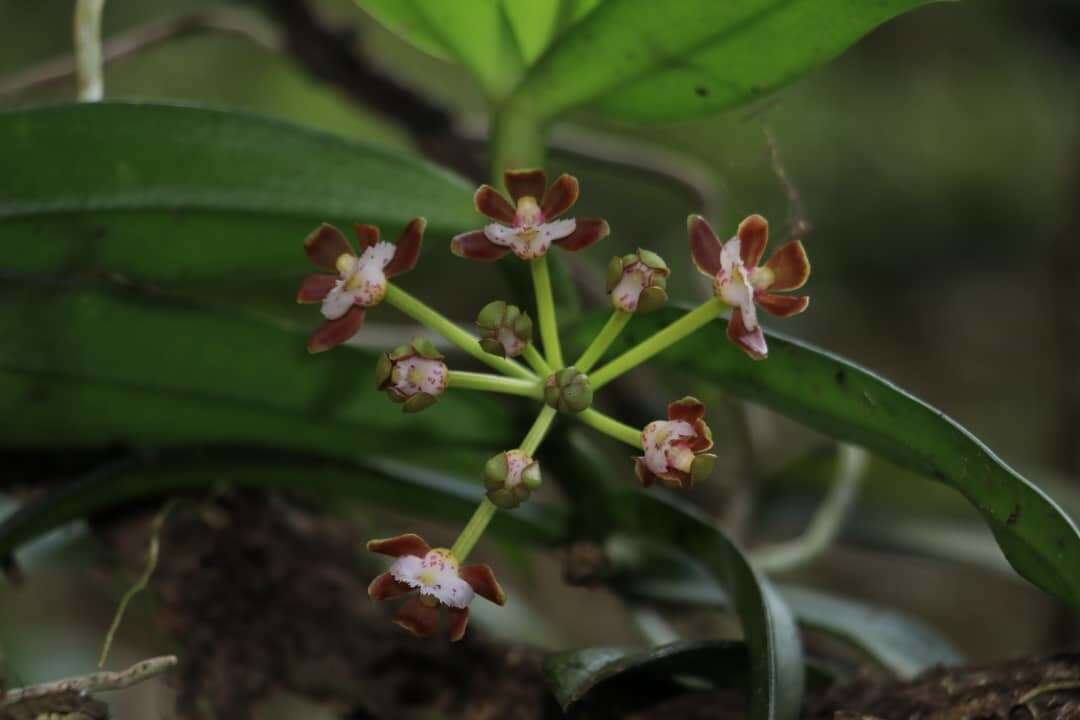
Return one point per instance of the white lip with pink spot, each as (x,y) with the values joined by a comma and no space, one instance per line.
(361,280)
(434,575)
(415,374)
(667,446)
(732,284)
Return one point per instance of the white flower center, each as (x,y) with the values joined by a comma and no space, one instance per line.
(361,280)
(667,446)
(415,374)
(434,575)
(516,462)
(530,241)
(732,283)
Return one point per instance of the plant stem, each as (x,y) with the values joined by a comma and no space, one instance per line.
(539,429)
(92,683)
(472,531)
(536,361)
(435,320)
(88,56)
(545,308)
(485,511)
(611,427)
(662,340)
(496,383)
(827,520)
(603,340)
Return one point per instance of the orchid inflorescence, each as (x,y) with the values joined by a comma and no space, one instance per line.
(674,450)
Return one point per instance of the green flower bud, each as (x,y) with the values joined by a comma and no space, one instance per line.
(568,391)
(510,478)
(505,329)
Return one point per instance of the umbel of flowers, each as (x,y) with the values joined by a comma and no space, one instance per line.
(674,451)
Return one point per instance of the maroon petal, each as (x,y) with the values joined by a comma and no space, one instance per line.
(702,440)
(325,245)
(418,618)
(689,409)
(334,332)
(314,288)
(782,305)
(790,266)
(459,620)
(644,475)
(560,197)
(366,236)
(522,183)
(704,245)
(676,480)
(586,232)
(490,202)
(752,343)
(384,587)
(482,580)
(407,544)
(753,237)
(476,246)
(407,252)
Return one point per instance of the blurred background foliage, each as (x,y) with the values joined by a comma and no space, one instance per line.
(938,162)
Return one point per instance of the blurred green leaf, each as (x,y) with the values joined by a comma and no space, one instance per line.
(382,483)
(772,640)
(620,679)
(476,33)
(903,644)
(213,202)
(840,399)
(643,61)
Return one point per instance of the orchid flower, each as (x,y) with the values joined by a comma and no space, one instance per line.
(675,449)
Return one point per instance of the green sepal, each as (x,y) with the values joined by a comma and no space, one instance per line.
(426,349)
(383,368)
(503,498)
(701,468)
(652,260)
(531,477)
(491,315)
(401,351)
(492,346)
(495,471)
(614,272)
(418,402)
(651,299)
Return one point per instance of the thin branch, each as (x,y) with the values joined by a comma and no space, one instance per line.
(827,521)
(94,682)
(799,225)
(230,21)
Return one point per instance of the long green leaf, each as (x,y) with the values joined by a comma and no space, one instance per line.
(772,640)
(847,402)
(641,60)
(205,200)
(381,483)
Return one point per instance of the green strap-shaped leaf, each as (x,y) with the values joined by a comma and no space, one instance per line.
(849,403)
(213,202)
(381,483)
(642,60)
(575,674)
(772,640)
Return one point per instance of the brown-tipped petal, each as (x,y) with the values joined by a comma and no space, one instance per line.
(334,332)
(529,182)
(586,232)
(490,202)
(644,475)
(417,618)
(790,266)
(482,580)
(752,343)
(704,245)
(407,251)
(314,288)
(676,480)
(782,305)
(475,246)
(688,409)
(325,245)
(366,236)
(384,587)
(753,237)
(459,620)
(407,544)
(560,197)
(702,437)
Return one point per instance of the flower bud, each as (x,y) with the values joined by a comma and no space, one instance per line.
(568,391)
(413,375)
(638,282)
(505,329)
(510,477)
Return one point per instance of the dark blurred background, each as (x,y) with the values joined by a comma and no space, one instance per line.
(938,162)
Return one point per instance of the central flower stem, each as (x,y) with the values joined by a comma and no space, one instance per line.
(496,383)
(545,309)
(603,340)
(438,322)
(662,340)
(478,523)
